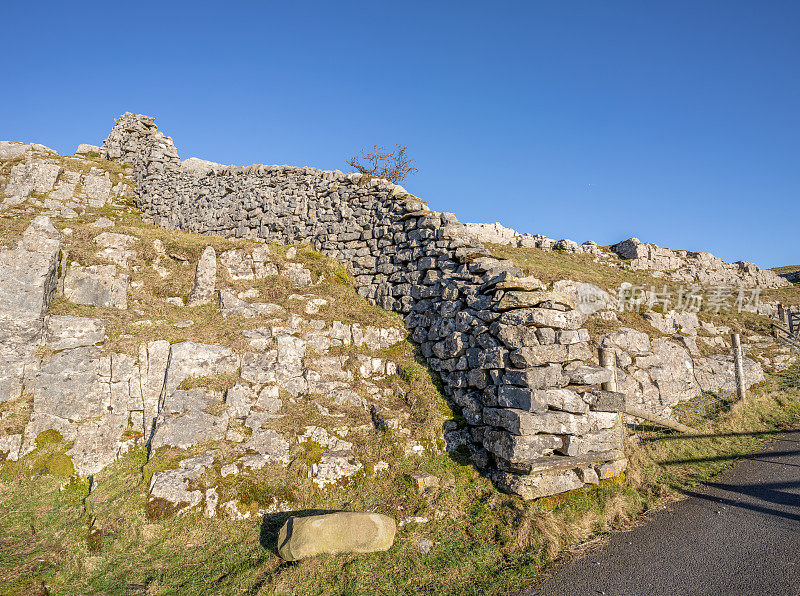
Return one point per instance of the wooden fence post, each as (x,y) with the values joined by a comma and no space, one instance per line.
(737,366)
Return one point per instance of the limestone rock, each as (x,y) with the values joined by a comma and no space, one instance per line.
(544,317)
(299,275)
(205,278)
(588,298)
(199,167)
(635,343)
(97,443)
(10,446)
(12,149)
(695,267)
(269,444)
(97,187)
(183,420)
(588,375)
(520,449)
(238,264)
(538,485)
(231,306)
(520,422)
(28,280)
(32,176)
(96,285)
(518,299)
(333,466)
(74,385)
(302,537)
(114,240)
(64,332)
(172,486)
(191,359)
(87,148)
(190,428)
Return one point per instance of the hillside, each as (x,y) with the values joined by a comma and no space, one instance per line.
(170,394)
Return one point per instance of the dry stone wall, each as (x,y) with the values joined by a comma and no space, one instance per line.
(511,353)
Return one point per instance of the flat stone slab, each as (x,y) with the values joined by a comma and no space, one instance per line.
(192,359)
(74,385)
(231,305)
(65,332)
(184,430)
(514,299)
(96,285)
(345,532)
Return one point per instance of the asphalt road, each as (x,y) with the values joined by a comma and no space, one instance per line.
(737,535)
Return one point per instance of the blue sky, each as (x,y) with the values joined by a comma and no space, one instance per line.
(676,122)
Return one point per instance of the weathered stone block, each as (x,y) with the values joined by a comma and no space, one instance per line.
(538,485)
(64,332)
(521,299)
(521,398)
(521,422)
(542,377)
(544,317)
(588,375)
(302,537)
(96,285)
(520,449)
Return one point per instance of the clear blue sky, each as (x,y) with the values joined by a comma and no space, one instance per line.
(676,122)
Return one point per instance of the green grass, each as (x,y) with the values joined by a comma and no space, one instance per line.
(786,268)
(56,533)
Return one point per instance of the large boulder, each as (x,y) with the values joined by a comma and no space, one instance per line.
(343,532)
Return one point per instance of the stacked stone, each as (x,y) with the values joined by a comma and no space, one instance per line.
(510,354)
(136,140)
(547,423)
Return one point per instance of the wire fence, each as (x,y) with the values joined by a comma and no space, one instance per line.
(706,407)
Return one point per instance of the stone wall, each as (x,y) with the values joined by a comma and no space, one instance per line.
(511,353)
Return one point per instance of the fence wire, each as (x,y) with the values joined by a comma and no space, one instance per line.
(707,406)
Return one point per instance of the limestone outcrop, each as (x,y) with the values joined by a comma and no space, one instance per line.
(695,267)
(495,233)
(114,338)
(458,301)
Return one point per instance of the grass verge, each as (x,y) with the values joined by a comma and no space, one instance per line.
(55,533)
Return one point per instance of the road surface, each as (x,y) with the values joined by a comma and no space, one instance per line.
(739,534)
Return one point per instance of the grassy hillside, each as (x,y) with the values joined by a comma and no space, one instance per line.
(61,534)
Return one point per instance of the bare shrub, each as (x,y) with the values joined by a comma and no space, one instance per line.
(393,166)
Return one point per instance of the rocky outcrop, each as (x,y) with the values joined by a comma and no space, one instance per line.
(514,355)
(205,278)
(499,234)
(136,141)
(28,280)
(660,373)
(460,304)
(695,267)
